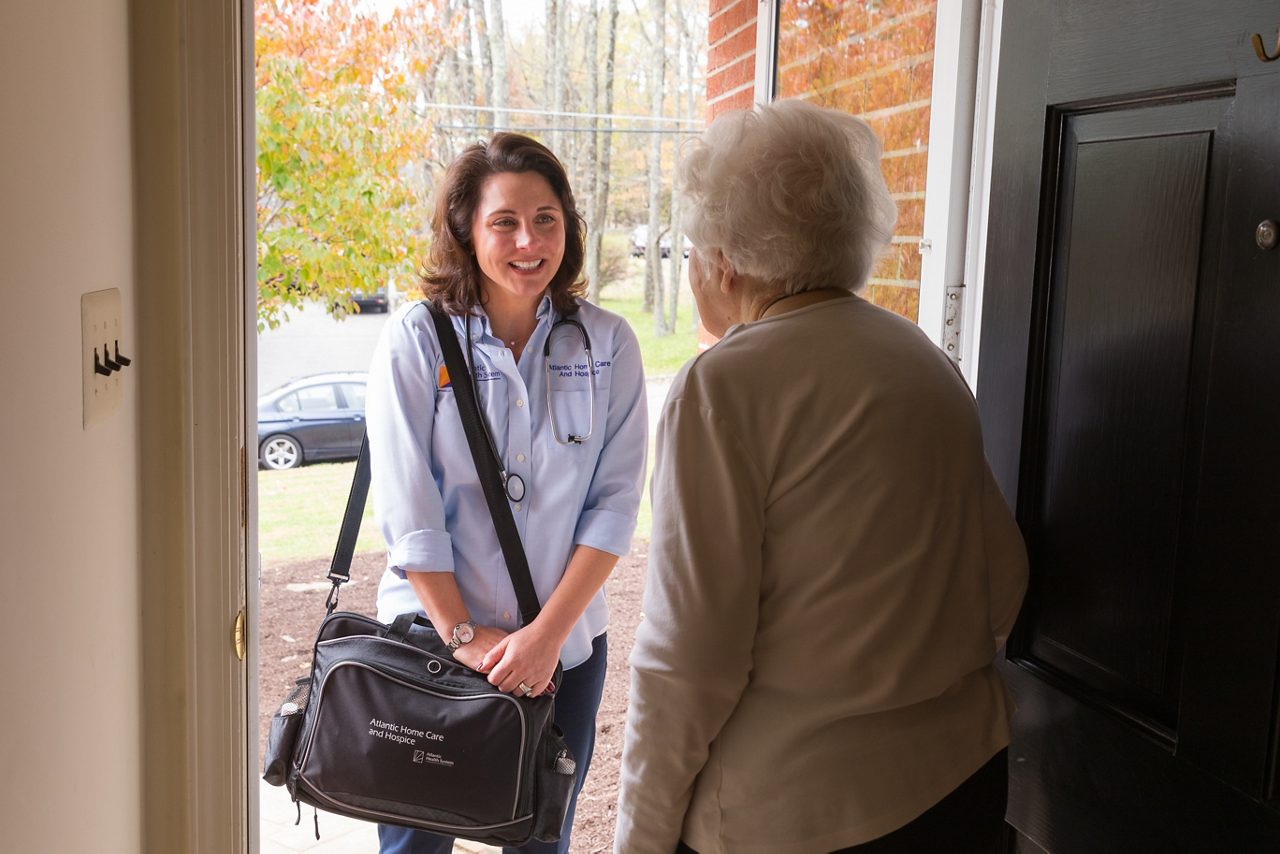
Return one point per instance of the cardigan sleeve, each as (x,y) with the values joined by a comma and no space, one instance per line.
(693,652)
(1006,559)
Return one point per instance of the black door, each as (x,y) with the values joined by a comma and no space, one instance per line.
(1129,383)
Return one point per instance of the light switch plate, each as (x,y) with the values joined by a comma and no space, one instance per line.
(100,329)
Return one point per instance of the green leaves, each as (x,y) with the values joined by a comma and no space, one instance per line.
(337,138)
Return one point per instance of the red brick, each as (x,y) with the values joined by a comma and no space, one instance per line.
(910,217)
(905,128)
(743,99)
(906,174)
(727,16)
(842,49)
(737,45)
(731,76)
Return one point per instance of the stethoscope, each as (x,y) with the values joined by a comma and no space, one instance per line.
(513,483)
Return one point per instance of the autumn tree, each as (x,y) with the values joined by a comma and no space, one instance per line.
(336,139)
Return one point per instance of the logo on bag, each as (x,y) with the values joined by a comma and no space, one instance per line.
(402,734)
(419,756)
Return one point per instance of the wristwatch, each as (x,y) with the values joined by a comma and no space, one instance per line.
(464,632)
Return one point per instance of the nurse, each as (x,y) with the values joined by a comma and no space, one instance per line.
(506,263)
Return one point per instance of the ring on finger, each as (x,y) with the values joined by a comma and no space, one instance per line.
(524,689)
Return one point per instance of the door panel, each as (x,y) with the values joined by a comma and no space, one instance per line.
(1128,374)
(1118,338)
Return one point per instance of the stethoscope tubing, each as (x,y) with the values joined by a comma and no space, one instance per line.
(571,439)
(513,484)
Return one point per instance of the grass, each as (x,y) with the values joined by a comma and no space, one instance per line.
(624,293)
(300,511)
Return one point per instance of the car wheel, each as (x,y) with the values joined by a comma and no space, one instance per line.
(281,452)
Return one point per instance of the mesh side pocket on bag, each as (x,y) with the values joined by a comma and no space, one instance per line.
(556,775)
(285,724)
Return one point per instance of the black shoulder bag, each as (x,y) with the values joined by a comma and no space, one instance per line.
(390,728)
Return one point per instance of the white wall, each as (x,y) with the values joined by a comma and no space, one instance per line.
(70,649)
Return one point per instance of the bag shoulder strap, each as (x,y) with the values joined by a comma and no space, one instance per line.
(487,467)
(340,566)
(490,481)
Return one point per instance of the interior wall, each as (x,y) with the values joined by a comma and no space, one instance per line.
(71,744)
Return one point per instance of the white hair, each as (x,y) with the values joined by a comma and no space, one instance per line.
(791,193)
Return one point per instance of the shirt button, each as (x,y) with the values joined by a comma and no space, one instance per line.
(506,615)
(517,508)
(519,403)
(519,458)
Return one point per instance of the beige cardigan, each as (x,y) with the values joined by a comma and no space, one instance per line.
(831,572)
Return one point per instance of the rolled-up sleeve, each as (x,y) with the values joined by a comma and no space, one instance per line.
(400,410)
(692,656)
(608,517)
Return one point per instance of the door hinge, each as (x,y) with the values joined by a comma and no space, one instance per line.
(238,639)
(953,321)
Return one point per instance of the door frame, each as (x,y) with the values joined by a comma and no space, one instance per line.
(191,135)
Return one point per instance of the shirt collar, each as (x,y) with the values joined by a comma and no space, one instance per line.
(543,311)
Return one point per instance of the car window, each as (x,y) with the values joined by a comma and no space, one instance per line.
(354,395)
(288,403)
(317,397)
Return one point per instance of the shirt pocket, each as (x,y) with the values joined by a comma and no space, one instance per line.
(450,437)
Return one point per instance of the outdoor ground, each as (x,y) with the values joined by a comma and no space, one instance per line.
(292,605)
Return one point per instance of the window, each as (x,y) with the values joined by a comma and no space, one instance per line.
(317,397)
(874,59)
(353,394)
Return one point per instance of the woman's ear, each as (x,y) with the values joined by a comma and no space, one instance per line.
(725,274)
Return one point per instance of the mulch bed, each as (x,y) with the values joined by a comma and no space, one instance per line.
(291,605)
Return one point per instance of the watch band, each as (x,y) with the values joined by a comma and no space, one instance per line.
(456,640)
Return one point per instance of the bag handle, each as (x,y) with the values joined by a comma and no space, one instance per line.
(490,478)
(400,626)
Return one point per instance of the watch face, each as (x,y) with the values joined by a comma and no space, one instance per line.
(464,632)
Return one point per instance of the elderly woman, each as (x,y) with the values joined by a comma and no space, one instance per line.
(832,567)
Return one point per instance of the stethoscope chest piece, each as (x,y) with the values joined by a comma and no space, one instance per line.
(514,484)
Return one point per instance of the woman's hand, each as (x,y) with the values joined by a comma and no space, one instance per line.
(528,655)
(486,638)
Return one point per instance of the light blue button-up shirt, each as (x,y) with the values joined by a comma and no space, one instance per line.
(426,493)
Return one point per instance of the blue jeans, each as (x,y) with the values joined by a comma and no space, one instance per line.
(577,702)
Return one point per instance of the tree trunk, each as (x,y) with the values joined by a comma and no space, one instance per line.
(600,197)
(484,45)
(653,256)
(497,34)
(587,193)
(677,232)
(551,79)
(466,67)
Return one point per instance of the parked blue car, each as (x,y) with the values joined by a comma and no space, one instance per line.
(320,417)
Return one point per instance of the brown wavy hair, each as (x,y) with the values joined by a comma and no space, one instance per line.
(452,276)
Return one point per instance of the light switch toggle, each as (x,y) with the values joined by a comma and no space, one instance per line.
(105,364)
(99,367)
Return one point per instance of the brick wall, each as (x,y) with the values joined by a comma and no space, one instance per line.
(731,56)
(872,58)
